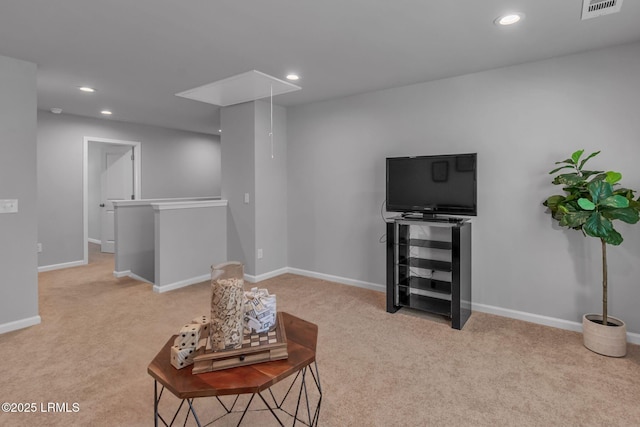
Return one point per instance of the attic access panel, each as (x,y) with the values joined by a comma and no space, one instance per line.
(240,88)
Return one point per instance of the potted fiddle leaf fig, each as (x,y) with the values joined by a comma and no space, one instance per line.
(592,201)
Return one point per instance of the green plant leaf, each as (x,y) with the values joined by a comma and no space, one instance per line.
(599,190)
(560,168)
(553,201)
(624,192)
(574,219)
(587,174)
(629,215)
(597,225)
(573,206)
(615,201)
(586,204)
(574,194)
(568,179)
(563,209)
(568,161)
(587,158)
(576,156)
(592,199)
(613,238)
(557,215)
(613,177)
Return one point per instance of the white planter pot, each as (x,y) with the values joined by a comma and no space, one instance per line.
(605,340)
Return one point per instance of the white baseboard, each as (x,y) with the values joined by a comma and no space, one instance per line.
(19,324)
(255,279)
(632,337)
(96,241)
(128,273)
(337,279)
(119,274)
(528,317)
(60,266)
(181,284)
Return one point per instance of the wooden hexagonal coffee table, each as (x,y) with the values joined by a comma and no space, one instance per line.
(252,380)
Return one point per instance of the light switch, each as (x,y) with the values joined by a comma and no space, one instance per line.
(8,205)
(246,197)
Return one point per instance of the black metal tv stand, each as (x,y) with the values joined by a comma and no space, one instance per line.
(429,266)
(431,218)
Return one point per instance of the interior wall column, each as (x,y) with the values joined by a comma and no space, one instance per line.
(253,179)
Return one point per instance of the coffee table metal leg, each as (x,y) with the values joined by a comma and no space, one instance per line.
(279,405)
(155,403)
(230,409)
(316,379)
(302,374)
(313,421)
(193,411)
(246,409)
(302,385)
(271,410)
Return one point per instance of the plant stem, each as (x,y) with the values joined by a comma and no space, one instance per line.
(604,282)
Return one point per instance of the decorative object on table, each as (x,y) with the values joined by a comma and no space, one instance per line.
(205,323)
(297,394)
(255,348)
(227,295)
(591,203)
(259,311)
(191,341)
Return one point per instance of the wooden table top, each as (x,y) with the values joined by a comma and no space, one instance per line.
(302,337)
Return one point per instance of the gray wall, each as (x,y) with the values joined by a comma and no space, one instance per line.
(18,231)
(271,188)
(174,164)
(94,191)
(187,243)
(249,168)
(238,178)
(135,241)
(519,120)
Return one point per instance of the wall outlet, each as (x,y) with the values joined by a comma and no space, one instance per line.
(9,206)
(39,247)
(260,254)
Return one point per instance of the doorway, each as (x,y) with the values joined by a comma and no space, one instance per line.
(123,160)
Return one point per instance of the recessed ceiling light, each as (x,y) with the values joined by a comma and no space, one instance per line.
(106,112)
(508,19)
(219,130)
(86,89)
(292,77)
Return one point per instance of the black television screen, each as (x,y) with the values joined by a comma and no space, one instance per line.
(432,185)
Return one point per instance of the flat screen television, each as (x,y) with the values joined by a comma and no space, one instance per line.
(433,185)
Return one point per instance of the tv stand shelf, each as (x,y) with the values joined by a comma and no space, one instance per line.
(429,267)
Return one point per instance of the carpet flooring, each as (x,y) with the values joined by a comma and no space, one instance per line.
(98,334)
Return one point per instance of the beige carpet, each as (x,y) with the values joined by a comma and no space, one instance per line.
(98,334)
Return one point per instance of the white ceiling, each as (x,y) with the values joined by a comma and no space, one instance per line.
(140,53)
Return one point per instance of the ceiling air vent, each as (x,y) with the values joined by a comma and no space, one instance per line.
(595,8)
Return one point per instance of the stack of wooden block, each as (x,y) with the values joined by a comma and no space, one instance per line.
(260,311)
(190,342)
(226,313)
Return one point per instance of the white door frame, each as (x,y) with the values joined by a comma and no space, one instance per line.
(137,162)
